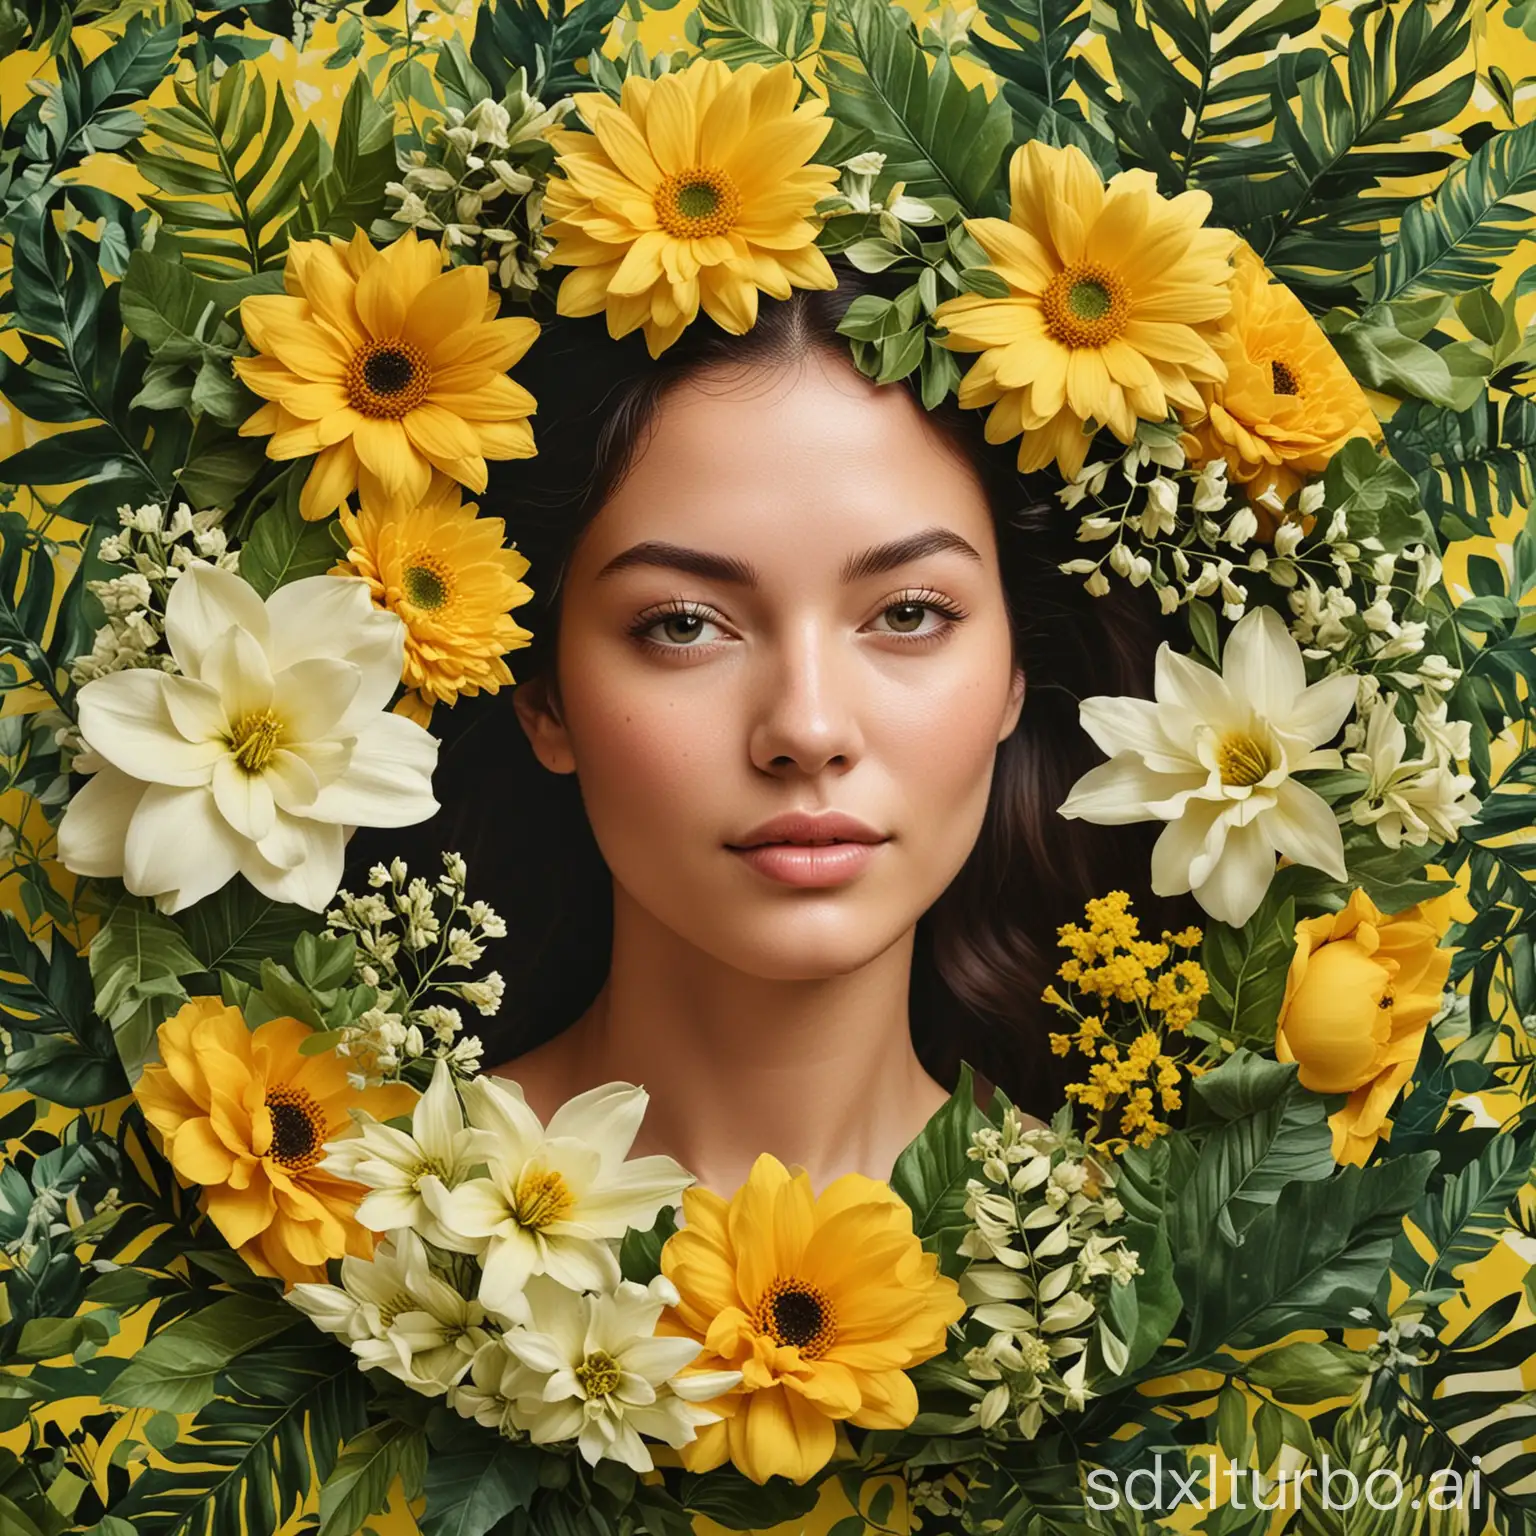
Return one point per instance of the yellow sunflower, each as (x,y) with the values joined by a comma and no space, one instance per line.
(821,1302)
(1288,403)
(385,368)
(1114,294)
(693,189)
(243,1114)
(451,580)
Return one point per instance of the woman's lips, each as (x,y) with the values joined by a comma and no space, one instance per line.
(807,865)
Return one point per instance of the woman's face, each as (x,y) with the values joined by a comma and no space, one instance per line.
(744,634)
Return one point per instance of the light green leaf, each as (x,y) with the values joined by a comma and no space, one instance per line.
(360,1481)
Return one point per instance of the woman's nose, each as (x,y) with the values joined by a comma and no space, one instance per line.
(804,710)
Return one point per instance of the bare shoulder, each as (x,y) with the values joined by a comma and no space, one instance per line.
(541,1074)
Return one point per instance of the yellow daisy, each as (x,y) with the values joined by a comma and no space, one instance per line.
(821,1302)
(245,1114)
(450,578)
(385,367)
(1288,403)
(693,189)
(1114,294)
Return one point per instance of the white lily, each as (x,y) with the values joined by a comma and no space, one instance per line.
(595,1372)
(1215,757)
(555,1201)
(397,1316)
(395,1166)
(1408,802)
(260,756)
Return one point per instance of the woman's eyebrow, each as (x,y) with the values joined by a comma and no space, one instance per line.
(871,562)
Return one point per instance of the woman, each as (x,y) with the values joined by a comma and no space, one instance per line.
(767,588)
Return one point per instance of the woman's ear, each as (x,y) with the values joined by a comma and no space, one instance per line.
(1015,704)
(538,710)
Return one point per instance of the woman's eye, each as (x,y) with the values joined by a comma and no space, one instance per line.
(906,618)
(674,631)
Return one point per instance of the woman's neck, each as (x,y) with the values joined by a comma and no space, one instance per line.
(818,1072)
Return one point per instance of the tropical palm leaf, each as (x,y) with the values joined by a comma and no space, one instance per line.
(1456,238)
(230,170)
(765,32)
(1035,68)
(940,138)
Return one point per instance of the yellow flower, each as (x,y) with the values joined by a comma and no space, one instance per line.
(821,1302)
(243,1114)
(692,189)
(449,577)
(385,368)
(1114,294)
(1288,403)
(1359,996)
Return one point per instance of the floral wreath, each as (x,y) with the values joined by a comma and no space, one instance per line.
(1152,252)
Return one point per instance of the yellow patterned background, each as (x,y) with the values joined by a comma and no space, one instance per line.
(318,92)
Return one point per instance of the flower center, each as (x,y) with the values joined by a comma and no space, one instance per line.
(1242,760)
(693,204)
(401,1301)
(542,1198)
(792,1312)
(255,738)
(428,582)
(385,379)
(428,1166)
(298,1128)
(598,1374)
(1282,380)
(1086,305)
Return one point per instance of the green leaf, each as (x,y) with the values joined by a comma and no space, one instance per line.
(547,38)
(469,1491)
(726,1496)
(766,32)
(136,960)
(177,1369)
(1036,65)
(1378,497)
(229,170)
(350,194)
(1458,237)
(1308,1373)
(640,1252)
(932,1172)
(237,928)
(282,547)
(1145,1311)
(939,138)
(360,1481)
(1247,969)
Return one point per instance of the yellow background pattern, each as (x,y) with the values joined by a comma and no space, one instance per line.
(318,92)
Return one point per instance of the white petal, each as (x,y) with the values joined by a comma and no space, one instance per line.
(389,1210)
(244,799)
(125,718)
(237,666)
(205,602)
(292,781)
(701,1386)
(633,1194)
(1179,845)
(509,1260)
(606,1117)
(314,694)
(289,841)
(1241,875)
(657,1359)
(437,1118)
(95,824)
(1302,827)
(538,1351)
(1135,725)
(178,842)
(196,710)
(314,879)
(1319,712)
(1184,684)
(497,1105)
(389,780)
(580,1264)
(1262,664)
(333,616)
(474,1209)
(1119,791)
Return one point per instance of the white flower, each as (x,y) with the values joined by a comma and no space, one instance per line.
(595,1372)
(395,1167)
(557,1198)
(1408,802)
(1215,758)
(256,761)
(397,1316)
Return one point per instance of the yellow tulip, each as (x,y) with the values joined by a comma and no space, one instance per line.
(1359,996)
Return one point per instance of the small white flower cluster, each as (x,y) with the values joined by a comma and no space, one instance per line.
(1044,1258)
(497,1285)
(497,149)
(1395,1348)
(1169,526)
(156,550)
(408,932)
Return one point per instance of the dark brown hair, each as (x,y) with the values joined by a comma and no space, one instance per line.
(987,948)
